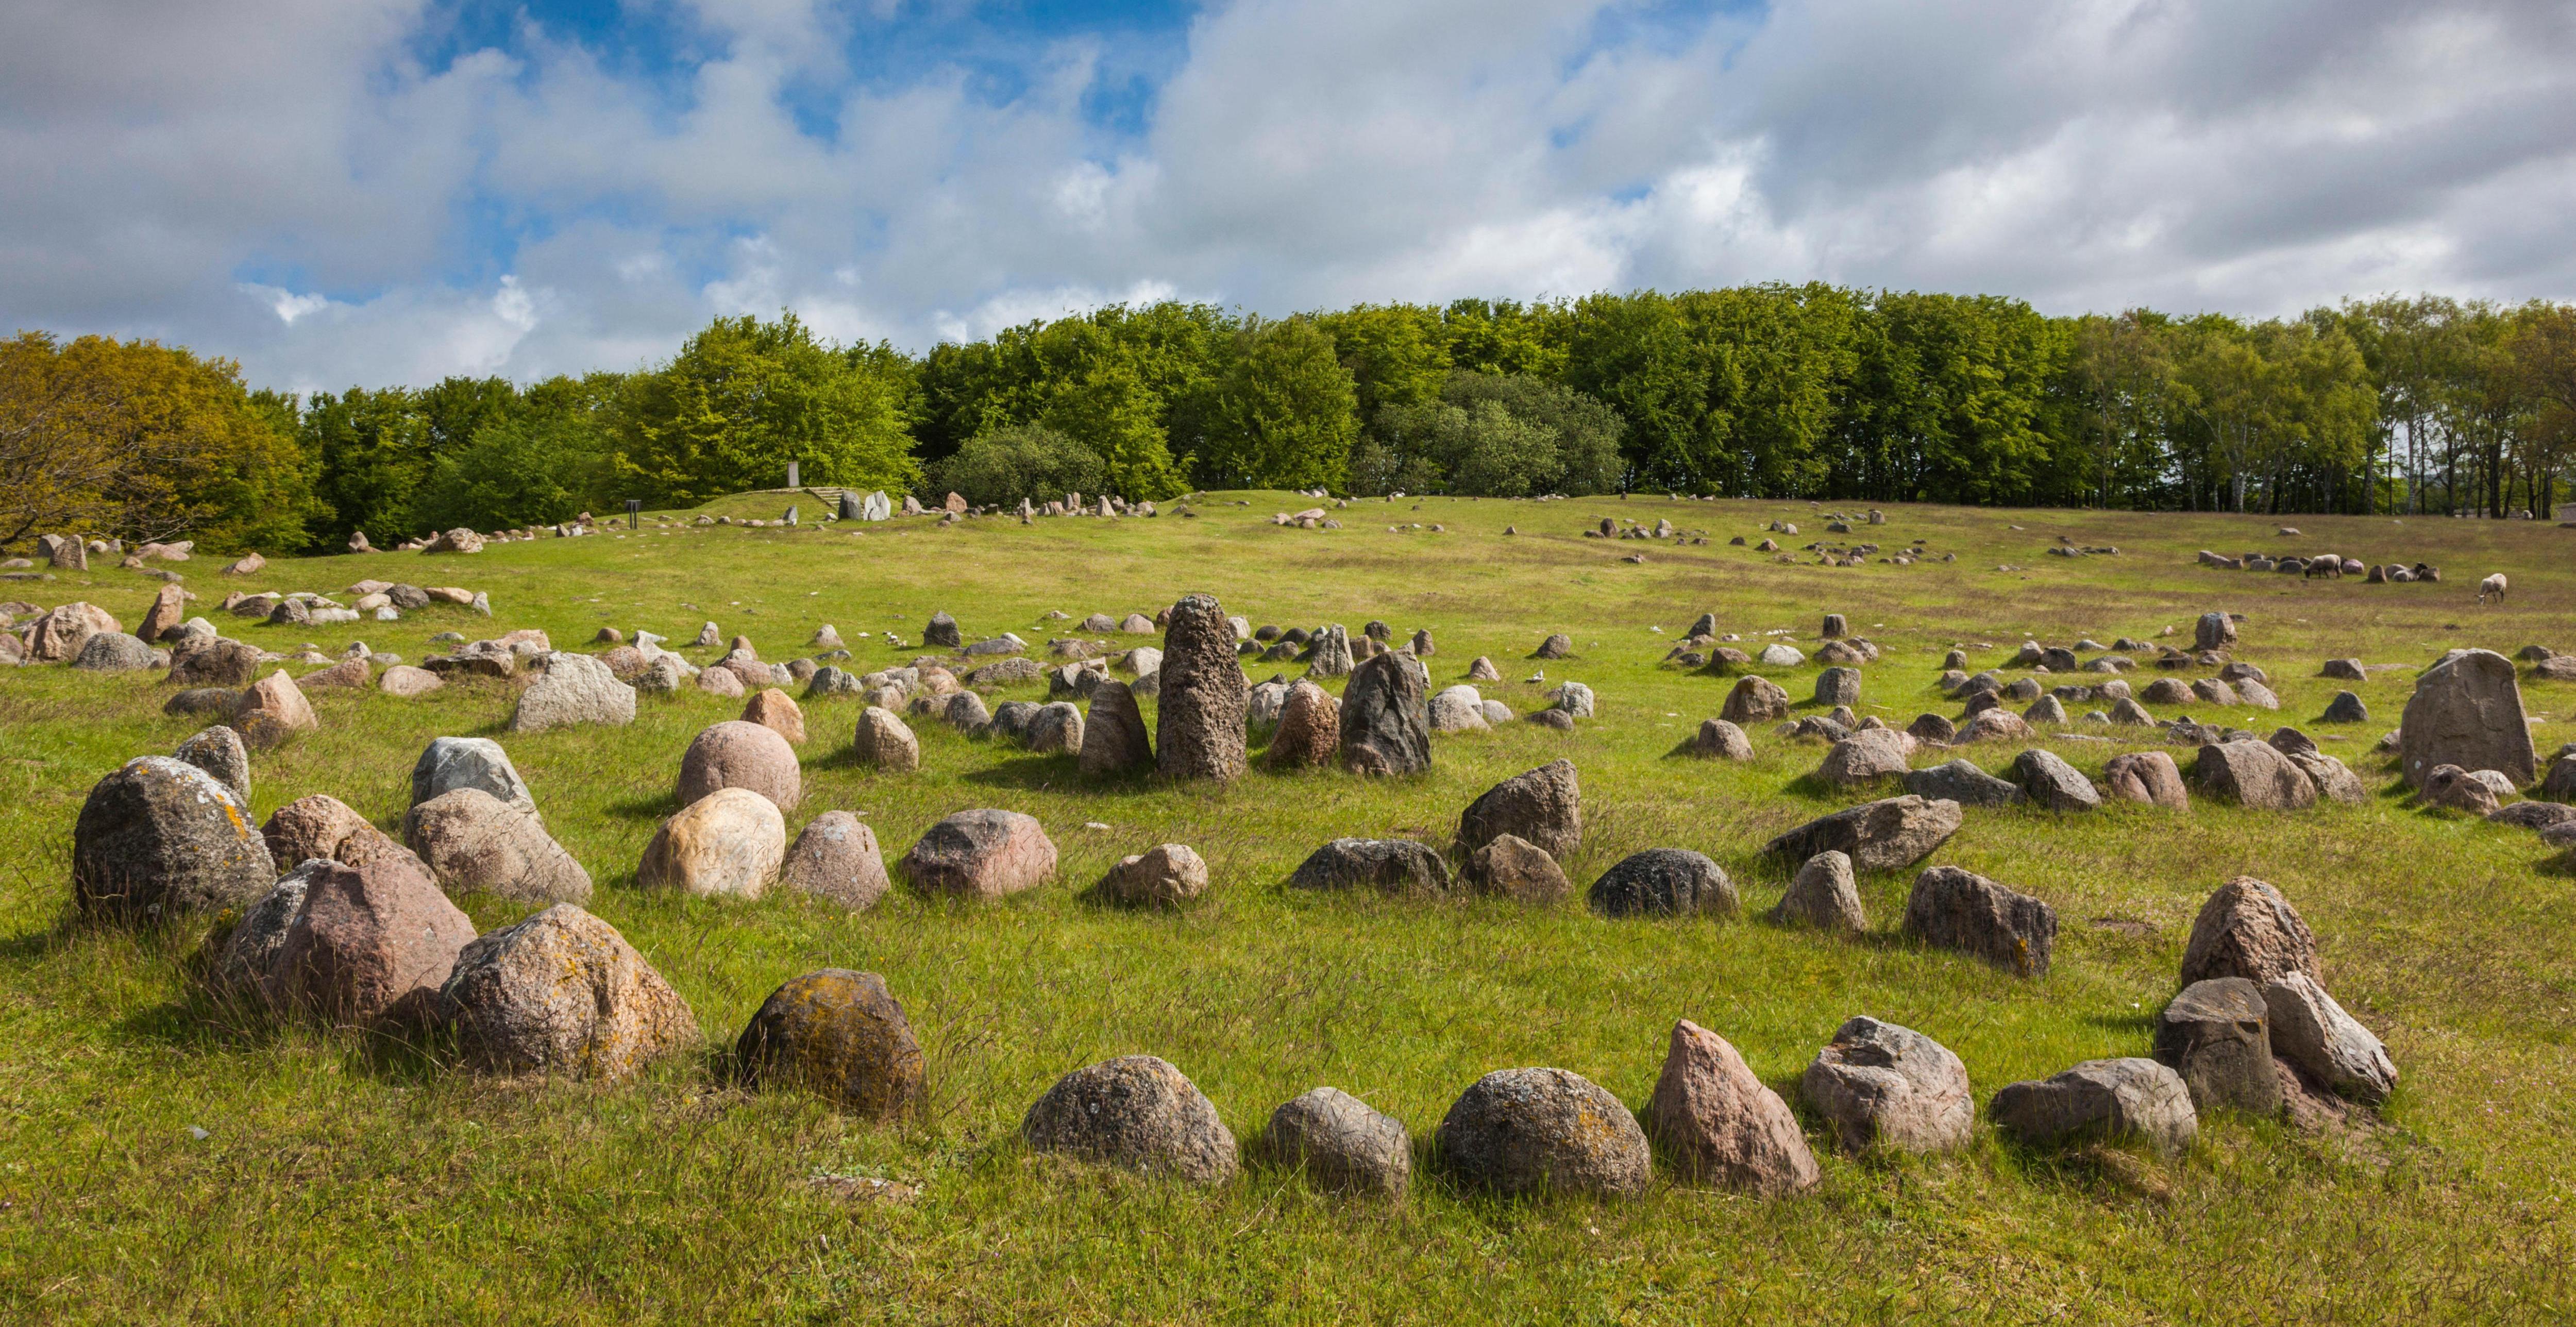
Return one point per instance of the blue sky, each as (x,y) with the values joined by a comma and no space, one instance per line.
(389,191)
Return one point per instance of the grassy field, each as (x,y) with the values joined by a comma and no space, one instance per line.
(329,1184)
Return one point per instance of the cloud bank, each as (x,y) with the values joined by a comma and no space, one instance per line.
(389,191)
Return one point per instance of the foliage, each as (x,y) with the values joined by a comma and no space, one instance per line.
(745,397)
(1283,415)
(1492,435)
(142,441)
(1019,461)
(528,468)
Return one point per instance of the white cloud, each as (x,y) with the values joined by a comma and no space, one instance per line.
(285,183)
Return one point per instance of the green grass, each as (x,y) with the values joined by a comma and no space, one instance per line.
(333,1185)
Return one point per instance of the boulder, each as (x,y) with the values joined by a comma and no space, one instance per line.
(114,652)
(1755,700)
(1163,876)
(942,632)
(1881,1087)
(2246,929)
(2467,711)
(883,741)
(1664,882)
(1962,782)
(563,993)
(1543,806)
(2214,631)
(219,751)
(472,840)
(840,1035)
(1824,896)
(321,827)
(2111,1100)
(243,966)
(835,858)
(1719,739)
(1719,1124)
(2346,708)
(1386,716)
(1995,725)
(193,702)
(1838,686)
(2150,777)
(1201,694)
(776,711)
(365,937)
(2459,790)
(983,853)
(2217,1035)
(2052,783)
(1528,1132)
(450,763)
(1482,669)
(2313,1032)
(1310,728)
(1458,709)
(1114,740)
(351,674)
(1517,869)
(575,690)
(405,681)
(1959,910)
(1780,655)
(2253,774)
(58,635)
(731,841)
(1055,729)
(160,837)
(1866,757)
(2334,780)
(1878,836)
(1932,728)
(741,753)
(1557,646)
(273,711)
(1341,1144)
(1137,1113)
(1393,865)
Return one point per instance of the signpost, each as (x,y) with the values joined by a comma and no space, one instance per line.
(633,505)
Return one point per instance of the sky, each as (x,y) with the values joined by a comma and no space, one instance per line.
(381,192)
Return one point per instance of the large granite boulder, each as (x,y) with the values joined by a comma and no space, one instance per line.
(739,753)
(1114,739)
(1824,896)
(365,937)
(730,842)
(1961,781)
(1754,700)
(450,763)
(1517,869)
(1526,1132)
(2246,929)
(835,858)
(982,853)
(2052,783)
(1720,1125)
(2217,1035)
(1543,806)
(1394,865)
(839,1034)
(1951,908)
(1386,716)
(1664,882)
(1340,1144)
(563,993)
(213,661)
(2110,1100)
(161,837)
(2467,711)
(1878,836)
(2149,777)
(219,751)
(2253,774)
(1137,1113)
(575,690)
(2312,1031)
(472,841)
(1881,1086)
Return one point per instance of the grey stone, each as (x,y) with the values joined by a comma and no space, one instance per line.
(1393,865)
(1823,896)
(1955,909)
(1877,836)
(1838,686)
(450,763)
(2052,783)
(1137,1113)
(2467,711)
(1526,1132)
(2253,774)
(835,858)
(1543,806)
(2217,1035)
(160,837)
(1386,716)
(2101,1099)
(563,993)
(1881,1087)
(1341,1144)
(2312,1031)
(1962,782)
(219,751)
(1664,882)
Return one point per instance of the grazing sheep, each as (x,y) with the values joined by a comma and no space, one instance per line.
(2492,585)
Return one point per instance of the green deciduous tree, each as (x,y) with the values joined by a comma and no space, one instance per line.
(745,397)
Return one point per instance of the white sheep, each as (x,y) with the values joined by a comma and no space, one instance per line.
(2492,585)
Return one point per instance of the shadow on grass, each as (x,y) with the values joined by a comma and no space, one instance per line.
(653,808)
(1054,773)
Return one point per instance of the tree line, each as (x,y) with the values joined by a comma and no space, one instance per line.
(2390,405)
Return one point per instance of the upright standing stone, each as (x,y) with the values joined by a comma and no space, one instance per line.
(2467,711)
(2217,1035)
(1720,1124)
(1543,806)
(2214,631)
(1202,694)
(1114,740)
(1386,716)
(1823,896)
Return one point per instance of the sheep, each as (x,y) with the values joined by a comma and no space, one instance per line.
(2492,585)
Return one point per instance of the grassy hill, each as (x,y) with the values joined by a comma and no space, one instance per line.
(331,1183)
